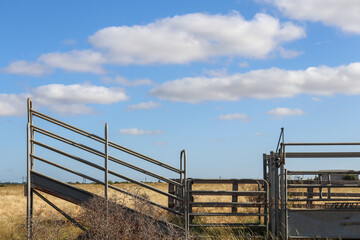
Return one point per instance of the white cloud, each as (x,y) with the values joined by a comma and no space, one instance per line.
(343,14)
(144,105)
(194,37)
(77,94)
(75,61)
(285,112)
(264,84)
(26,68)
(235,116)
(172,40)
(126,82)
(137,132)
(63,99)
(13,104)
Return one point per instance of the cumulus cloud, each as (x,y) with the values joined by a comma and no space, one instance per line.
(26,68)
(343,14)
(285,112)
(264,84)
(173,40)
(194,37)
(144,105)
(77,94)
(126,82)
(137,132)
(13,104)
(75,61)
(63,99)
(235,116)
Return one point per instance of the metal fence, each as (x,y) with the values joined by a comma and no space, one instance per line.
(40,181)
(310,204)
(237,202)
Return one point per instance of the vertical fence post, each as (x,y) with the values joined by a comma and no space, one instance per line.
(286,209)
(183,181)
(106,162)
(235,188)
(29,210)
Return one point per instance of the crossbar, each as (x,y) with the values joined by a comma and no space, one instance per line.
(322,154)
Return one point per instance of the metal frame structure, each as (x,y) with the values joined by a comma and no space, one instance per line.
(259,202)
(40,182)
(276,211)
(288,218)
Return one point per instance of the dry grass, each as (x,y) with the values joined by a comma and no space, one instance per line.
(13,209)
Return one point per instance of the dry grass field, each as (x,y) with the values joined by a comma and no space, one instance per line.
(52,225)
(13,209)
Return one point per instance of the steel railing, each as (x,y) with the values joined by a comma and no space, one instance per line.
(31,143)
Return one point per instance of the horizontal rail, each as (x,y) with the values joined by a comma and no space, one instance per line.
(227,225)
(144,171)
(226,204)
(68,141)
(68,155)
(98,153)
(323,185)
(322,172)
(324,194)
(227,214)
(322,199)
(225,181)
(228,193)
(322,154)
(145,185)
(319,144)
(102,140)
(145,200)
(146,158)
(67,169)
(68,126)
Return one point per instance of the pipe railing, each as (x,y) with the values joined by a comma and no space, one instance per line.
(32,129)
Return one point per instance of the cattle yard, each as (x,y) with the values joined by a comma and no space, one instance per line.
(284,204)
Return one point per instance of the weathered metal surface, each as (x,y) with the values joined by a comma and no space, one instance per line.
(324,223)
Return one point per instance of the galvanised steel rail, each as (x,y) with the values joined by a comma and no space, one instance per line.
(31,156)
(291,211)
(258,200)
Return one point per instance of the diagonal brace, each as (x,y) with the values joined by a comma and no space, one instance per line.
(60,211)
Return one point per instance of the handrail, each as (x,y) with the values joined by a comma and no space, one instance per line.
(67,169)
(32,128)
(68,155)
(102,140)
(98,153)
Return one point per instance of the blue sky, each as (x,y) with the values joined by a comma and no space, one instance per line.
(218,78)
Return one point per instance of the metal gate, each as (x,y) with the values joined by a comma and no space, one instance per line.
(312,204)
(235,203)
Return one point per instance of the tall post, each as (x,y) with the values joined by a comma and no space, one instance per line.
(30,165)
(286,210)
(183,181)
(106,161)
